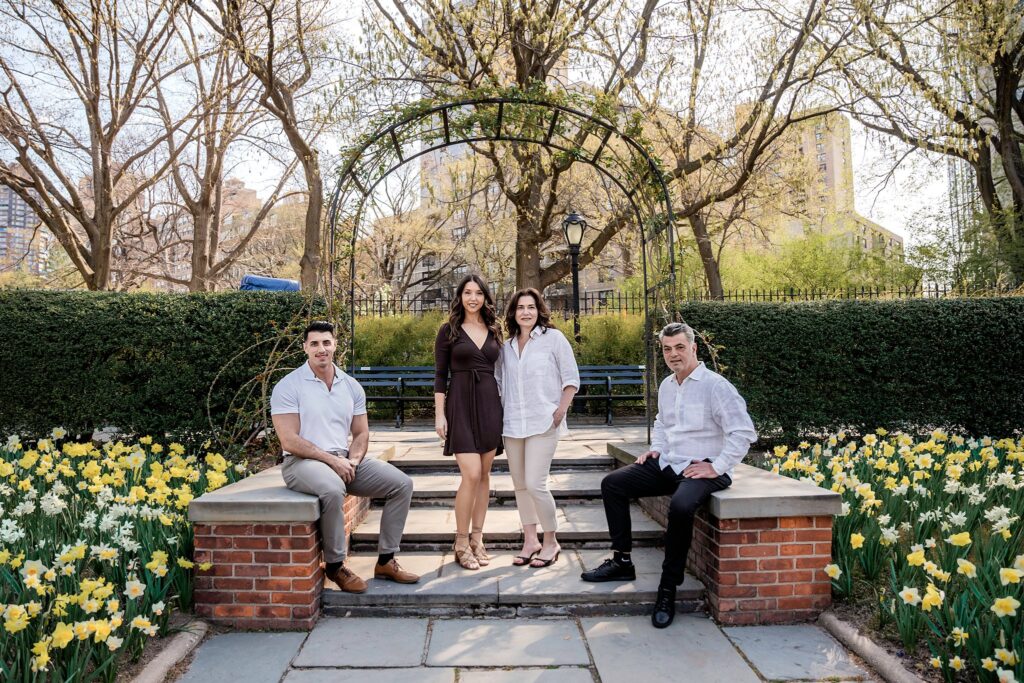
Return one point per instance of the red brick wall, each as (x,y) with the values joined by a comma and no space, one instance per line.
(265,575)
(759,571)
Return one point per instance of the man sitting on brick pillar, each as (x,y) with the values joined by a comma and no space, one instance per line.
(315,408)
(701,432)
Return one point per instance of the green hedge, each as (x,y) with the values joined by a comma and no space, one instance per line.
(816,367)
(611,339)
(146,362)
(143,362)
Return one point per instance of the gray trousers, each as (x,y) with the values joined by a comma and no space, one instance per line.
(374,479)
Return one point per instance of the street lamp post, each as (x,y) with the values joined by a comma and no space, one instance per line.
(574,226)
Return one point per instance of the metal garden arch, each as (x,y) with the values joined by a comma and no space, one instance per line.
(430,127)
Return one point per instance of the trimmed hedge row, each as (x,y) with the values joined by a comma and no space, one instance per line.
(142,362)
(146,362)
(817,367)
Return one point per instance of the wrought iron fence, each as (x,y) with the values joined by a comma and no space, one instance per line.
(633,302)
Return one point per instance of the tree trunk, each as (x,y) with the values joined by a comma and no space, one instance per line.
(527,248)
(311,257)
(707,256)
(199,280)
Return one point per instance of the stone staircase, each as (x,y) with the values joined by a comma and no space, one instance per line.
(501,589)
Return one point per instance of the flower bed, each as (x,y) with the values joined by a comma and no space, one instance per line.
(932,529)
(95,551)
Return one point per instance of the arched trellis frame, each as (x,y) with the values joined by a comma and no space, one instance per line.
(430,127)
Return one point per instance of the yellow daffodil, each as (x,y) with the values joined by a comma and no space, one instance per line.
(916,558)
(911,596)
(62,635)
(966,568)
(933,597)
(1005,607)
(961,539)
(1008,575)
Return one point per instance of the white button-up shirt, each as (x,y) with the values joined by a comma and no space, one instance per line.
(704,418)
(325,417)
(531,384)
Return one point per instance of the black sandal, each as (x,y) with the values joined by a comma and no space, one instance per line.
(525,560)
(545,563)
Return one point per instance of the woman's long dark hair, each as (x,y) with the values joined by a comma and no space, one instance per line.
(543,314)
(487,311)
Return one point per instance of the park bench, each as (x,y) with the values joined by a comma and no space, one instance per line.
(405,384)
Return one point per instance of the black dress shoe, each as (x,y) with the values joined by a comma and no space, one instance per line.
(610,570)
(664,607)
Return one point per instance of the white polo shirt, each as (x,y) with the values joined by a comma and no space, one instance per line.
(325,417)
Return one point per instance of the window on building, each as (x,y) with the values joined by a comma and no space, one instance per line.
(459,233)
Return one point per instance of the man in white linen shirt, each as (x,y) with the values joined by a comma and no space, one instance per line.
(701,433)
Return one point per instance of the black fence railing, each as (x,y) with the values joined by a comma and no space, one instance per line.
(633,302)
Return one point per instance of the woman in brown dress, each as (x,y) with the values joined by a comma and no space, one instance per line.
(468,417)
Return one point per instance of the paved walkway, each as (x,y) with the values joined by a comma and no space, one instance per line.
(563,649)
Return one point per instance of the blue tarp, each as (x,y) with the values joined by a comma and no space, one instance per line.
(259,283)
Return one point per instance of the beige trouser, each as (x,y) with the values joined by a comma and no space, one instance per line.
(374,479)
(529,463)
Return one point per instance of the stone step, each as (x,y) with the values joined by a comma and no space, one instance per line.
(501,589)
(571,484)
(412,459)
(434,528)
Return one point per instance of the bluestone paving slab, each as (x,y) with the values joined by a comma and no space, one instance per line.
(554,584)
(447,585)
(628,648)
(561,674)
(249,657)
(590,519)
(798,652)
(427,565)
(520,642)
(355,642)
(419,675)
(561,484)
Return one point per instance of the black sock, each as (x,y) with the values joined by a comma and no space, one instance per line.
(332,567)
(622,558)
(384,558)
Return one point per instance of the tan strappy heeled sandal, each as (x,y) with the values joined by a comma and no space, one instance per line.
(477,546)
(464,556)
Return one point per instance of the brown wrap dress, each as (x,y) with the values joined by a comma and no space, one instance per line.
(473,404)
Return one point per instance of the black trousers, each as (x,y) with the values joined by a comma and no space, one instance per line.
(648,479)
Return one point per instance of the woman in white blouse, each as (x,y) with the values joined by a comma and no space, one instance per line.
(539,378)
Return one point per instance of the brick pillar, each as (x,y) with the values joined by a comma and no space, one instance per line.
(264,575)
(763,570)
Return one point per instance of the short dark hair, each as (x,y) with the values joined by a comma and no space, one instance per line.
(543,314)
(317,326)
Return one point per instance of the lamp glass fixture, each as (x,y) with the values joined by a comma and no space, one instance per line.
(574,226)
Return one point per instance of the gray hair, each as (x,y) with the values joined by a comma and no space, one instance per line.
(674,329)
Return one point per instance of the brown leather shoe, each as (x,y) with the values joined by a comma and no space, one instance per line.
(393,572)
(347,580)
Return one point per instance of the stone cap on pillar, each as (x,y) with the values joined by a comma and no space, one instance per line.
(263,497)
(755,492)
